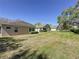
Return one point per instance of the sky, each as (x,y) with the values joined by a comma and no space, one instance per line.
(34,11)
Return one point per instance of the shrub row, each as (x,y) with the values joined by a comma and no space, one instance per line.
(75,31)
(34,32)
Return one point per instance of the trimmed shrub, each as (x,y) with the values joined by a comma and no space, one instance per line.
(75,31)
(43,31)
(34,32)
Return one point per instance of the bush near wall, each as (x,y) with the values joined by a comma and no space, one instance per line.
(34,32)
(75,29)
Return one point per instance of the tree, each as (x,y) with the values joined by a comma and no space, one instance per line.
(66,16)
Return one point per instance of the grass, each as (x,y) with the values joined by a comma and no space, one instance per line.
(47,45)
(65,47)
(7,44)
(60,50)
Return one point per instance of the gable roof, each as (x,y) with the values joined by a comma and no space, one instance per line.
(75,20)
(47,26)
(15,23)
(39,25)
(50,26)
(21,23)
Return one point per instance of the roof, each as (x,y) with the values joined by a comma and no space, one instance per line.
(39,25)
(47,26)
(50,26)
(18,22)
(75,20)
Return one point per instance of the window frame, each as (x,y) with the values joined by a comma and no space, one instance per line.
(16,29)
(8,28)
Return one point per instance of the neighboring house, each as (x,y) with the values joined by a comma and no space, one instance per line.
(18,27)
(74,22)
(39,27)
(49,27)
(53,28)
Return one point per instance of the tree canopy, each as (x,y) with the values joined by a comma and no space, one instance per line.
(69,14)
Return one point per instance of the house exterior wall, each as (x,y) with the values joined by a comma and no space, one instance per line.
(37,29)
(11,31)
(53,29)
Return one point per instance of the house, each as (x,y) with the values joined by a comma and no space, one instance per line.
(44,28)
(53,28)
(10,28)
(75,23)
(39,27)
(49,27)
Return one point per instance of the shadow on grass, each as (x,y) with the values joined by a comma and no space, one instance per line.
(42,56)
(29,55)
(8,44)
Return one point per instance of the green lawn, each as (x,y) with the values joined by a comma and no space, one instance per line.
(63,45)
(47,45)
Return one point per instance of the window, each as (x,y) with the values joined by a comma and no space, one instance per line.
(16,29)
(8,27)
(75,23)
(31,29)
